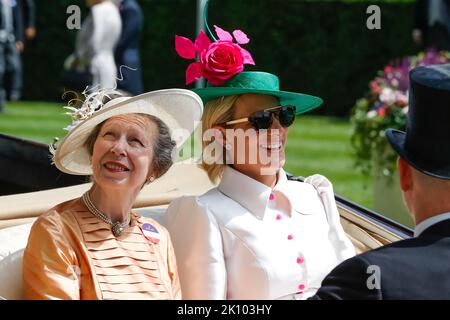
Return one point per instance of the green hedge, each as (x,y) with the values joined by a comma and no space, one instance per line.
(316,47)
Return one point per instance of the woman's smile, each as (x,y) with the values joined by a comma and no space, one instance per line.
(275,143)
(114,167)
(273,147)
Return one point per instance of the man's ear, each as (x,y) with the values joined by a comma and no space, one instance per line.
(405,175)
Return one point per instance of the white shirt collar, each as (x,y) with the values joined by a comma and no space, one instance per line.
(248,192)
(425,224)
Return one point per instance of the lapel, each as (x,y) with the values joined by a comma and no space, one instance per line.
(440,229)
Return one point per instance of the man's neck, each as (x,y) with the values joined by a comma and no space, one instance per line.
(424,212)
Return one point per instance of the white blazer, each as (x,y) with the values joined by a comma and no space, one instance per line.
(243,240)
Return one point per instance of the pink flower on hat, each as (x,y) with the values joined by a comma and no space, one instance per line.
(219,60)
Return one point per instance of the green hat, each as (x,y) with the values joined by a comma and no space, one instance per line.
(260,83)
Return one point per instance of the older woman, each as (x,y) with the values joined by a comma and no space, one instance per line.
(257,235)
(95,247)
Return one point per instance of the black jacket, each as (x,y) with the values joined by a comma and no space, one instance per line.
(416,268)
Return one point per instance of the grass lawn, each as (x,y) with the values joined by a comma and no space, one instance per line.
(315,144)
(40,121)
(322,145)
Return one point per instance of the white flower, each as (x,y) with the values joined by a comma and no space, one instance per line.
(400,96)
(387,96)
(371,114)
(395,82)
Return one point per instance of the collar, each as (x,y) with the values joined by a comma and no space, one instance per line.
(425,224)
(256,196)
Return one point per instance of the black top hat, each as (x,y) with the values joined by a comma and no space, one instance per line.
(426,143)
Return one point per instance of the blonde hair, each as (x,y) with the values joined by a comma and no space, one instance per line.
(216,111)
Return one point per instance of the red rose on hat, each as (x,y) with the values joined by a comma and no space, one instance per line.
(219,60)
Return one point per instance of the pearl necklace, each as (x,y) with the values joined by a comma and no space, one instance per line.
(117,227)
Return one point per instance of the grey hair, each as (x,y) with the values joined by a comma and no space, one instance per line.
(162,148)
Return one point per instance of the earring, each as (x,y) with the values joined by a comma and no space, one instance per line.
(151,179)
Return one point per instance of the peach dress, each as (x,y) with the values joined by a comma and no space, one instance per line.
(71,254)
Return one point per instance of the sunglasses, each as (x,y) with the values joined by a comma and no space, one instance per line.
(264,119)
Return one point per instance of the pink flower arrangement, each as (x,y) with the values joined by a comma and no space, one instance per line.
(219,60)
(386,106)
(389,90)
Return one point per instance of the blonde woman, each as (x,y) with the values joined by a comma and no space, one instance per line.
(257,235)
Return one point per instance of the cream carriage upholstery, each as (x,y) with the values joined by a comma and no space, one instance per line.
(18,212)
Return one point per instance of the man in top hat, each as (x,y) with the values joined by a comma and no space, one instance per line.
(416,268)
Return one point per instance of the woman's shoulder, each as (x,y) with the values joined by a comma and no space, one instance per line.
(55,227)
(315,183)
(193,208)
(61,211)
(201,202)
(59,216)
(314,190)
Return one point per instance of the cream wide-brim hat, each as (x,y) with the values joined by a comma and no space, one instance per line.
(179,109)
